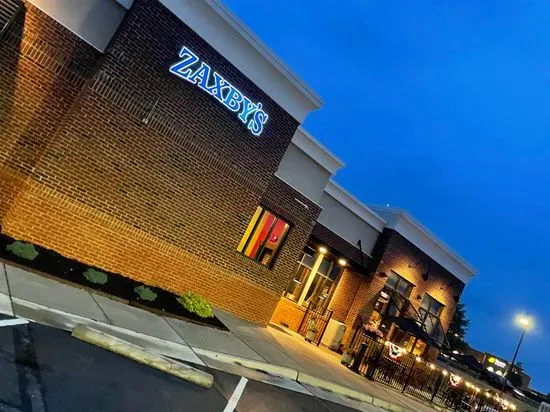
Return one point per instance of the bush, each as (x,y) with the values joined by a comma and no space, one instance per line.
(196,304)
(23,250)
(95,276)
(145,293)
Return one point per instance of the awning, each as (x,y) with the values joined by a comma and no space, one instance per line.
(411,327)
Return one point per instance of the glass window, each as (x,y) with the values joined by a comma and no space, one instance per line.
(403,288)
(399,284)
(430,310)
(263,237)
(323,284)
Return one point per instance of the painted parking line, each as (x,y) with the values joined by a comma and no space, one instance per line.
(13,322)
(232,403)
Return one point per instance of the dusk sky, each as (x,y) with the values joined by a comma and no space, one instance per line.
(441,108)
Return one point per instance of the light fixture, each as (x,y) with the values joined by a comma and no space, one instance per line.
(382,275)
(342,262)
(323,250)
(524,321)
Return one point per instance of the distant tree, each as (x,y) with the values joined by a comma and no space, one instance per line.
(458,328)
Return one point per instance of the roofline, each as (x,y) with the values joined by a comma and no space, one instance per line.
(447,249)
(355,205)
(265,50)
(226,33)
(304,141)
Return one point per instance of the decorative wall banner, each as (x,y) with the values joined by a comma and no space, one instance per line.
(395,351)
(195,71)
(454,379)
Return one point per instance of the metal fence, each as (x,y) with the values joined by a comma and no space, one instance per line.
(315,320)
(391,365)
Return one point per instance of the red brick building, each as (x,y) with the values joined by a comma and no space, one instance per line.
(370,266)
(160,139)
(109,158)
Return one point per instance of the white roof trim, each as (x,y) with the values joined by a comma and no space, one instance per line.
(211,20)
(125,3)
(316,151)
(354,205)
(401,221)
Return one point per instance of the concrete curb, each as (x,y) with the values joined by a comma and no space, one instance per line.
(280,371)
(300,377)
(306,379)
(143,356)
(341,390)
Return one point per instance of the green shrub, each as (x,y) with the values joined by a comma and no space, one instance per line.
(145,293)
(196,304)
(23,250)
(95,276)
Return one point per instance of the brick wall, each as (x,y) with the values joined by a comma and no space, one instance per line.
(164,202)
(344,295)
(395,253)
(289,314)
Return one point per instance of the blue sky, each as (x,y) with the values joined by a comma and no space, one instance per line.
(442,108)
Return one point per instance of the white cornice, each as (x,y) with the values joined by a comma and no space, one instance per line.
(354,205)
(316,151)
(402,222)
(125,3)
(211,20)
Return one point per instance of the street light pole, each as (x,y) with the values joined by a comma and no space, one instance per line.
(525,322)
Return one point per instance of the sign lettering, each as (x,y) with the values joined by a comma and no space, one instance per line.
(193,70)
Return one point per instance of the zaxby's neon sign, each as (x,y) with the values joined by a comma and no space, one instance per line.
(251,114)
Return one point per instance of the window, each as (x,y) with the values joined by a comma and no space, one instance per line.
(399,284)
(297,284)
(430,310)
(321,287)
(263,237)
(402,287)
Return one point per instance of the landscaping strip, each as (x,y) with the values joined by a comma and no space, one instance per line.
(143,356)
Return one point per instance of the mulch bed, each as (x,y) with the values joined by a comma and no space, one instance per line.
(53,264)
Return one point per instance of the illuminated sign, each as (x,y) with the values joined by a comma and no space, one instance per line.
(497,362)
(195,71)
(500,364)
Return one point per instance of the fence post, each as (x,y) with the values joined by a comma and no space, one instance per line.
(303,319)
(325,327)
(409,375)
(372,368)
(437,385)
(359,357)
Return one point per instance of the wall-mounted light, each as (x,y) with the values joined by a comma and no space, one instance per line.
(323,250)
(342,262)
(425,275)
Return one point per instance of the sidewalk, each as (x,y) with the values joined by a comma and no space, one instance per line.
(53,303)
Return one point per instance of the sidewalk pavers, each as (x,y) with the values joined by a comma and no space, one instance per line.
(57,304)
(50,293)
(212,339)
(136,319)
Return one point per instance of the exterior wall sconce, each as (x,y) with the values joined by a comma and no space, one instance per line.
(425,275)
(342,262)
(323,250)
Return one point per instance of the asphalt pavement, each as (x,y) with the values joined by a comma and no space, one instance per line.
(45,369)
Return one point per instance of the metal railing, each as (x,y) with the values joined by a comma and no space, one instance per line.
(384,362)
(315,317)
